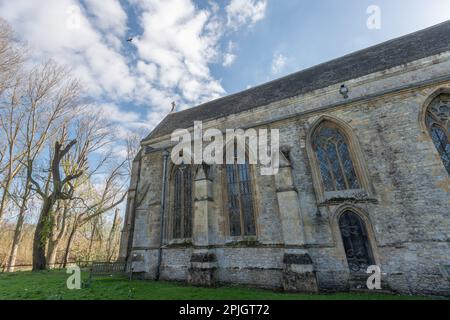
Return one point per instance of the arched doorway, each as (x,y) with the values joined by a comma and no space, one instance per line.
(356,242)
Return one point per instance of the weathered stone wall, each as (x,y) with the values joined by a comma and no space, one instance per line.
(407,211)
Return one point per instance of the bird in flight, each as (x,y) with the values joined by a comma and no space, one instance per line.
(130,40)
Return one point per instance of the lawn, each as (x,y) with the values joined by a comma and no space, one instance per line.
(51,285)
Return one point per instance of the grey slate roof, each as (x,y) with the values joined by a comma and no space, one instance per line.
(415,46)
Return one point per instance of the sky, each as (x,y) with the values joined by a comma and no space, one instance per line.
(193,51)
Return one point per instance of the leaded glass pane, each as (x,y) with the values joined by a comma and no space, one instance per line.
(182,206)
(336,167)
(240,200)
(438,122)
(187,216)
(233,201)
(442,145)
(335,162)
(324,169)
(349,169)
(246,200)
(177,208)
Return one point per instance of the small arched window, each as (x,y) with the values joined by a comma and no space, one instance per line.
(334,158)
(438,124)
(356,242)
(240,199)
(182,202)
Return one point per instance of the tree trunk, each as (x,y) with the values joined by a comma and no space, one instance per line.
(112,237)
(4,199)
(8,180)
(6,183)
(91,241)
(69,244)
(52,250)
(16,240)
(59,227)
(39,241)
(19,228)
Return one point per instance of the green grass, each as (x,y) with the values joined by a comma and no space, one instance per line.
(52,286)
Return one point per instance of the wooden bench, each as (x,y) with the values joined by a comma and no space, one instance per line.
(107,269)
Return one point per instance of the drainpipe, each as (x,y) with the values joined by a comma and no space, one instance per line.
(163,209)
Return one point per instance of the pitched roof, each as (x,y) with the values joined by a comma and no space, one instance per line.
(414,46)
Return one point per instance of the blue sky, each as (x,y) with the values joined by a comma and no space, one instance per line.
(309,32)
(192,51)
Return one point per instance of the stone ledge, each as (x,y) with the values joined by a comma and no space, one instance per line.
(350,196)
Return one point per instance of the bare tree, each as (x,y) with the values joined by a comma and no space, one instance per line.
(93,135)
(112,194)
(12,56)
(83,197)
(54,154)
(49,98)
(61,189)
(11,118)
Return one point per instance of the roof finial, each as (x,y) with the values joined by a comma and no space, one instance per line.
(174,105)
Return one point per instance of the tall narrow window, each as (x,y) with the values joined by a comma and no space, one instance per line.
(356,242)
(182,206)
(240,200)
(438,124)
(334,158)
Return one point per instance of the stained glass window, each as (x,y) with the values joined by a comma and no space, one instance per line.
(182,206)
(438,123)
(334,158)
(240,199)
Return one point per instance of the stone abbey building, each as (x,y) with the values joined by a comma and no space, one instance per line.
(364,180)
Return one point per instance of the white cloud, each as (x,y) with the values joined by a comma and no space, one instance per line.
(109,16)
(228,59)
(113,113)
(178,43)
(61,30)
(278,63)
(241,12)
(148,70)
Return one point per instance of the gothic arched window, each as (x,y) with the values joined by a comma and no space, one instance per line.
(356,242)
(438,124)
(240,199)
(182,202)
(335,161)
